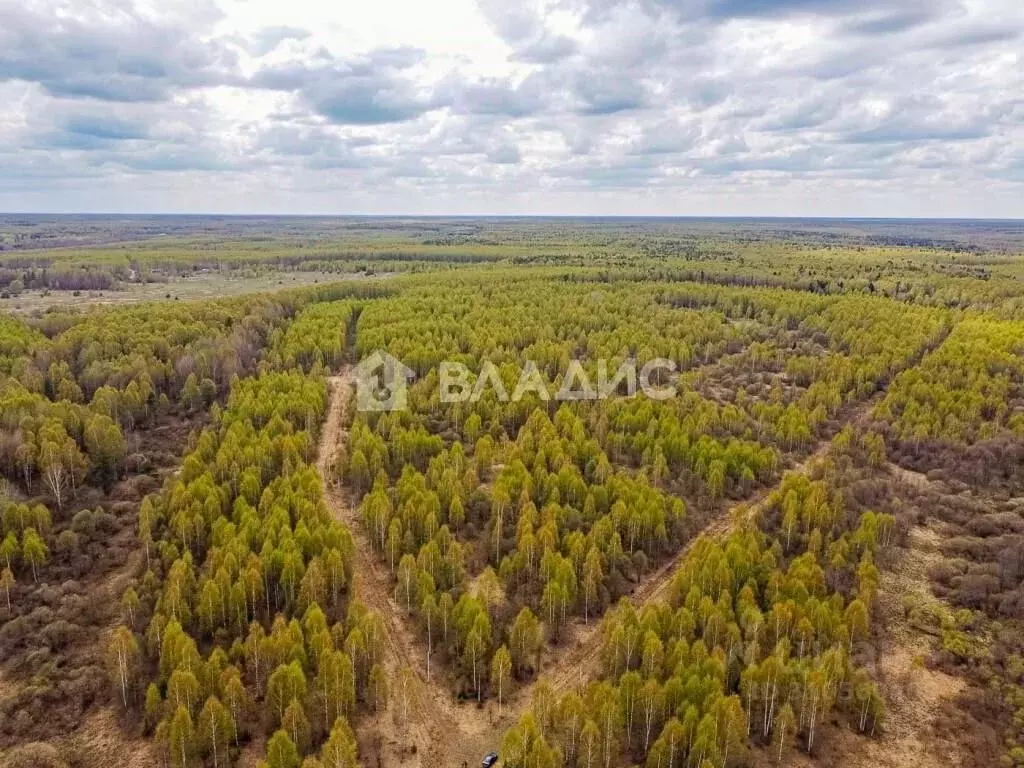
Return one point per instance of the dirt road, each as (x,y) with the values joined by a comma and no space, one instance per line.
(441,730)
(438,730)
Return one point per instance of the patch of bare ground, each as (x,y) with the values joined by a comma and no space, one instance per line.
(10,687)
(924,727)
(101,742)
(917,480)
(54,685)
(203,285)
(84,734)
(253,751)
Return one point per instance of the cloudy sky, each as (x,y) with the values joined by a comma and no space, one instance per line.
(668,107)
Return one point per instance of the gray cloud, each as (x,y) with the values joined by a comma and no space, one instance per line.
(889,22)
(724,96)
(496,96)
(87,131)
(774,8)
(605,93)
(513,22)
(897,133)
(522,28)
(506,154)
(666,137)
(105,127)
(110,52)
(367,90)
(173,159)
(546,49)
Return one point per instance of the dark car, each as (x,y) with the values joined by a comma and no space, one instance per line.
(490,760)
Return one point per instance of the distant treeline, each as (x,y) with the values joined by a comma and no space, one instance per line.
(75,273)
(17,280)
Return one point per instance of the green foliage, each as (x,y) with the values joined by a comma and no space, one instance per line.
(248,607)
(503,521)
(968,389)
(755,639)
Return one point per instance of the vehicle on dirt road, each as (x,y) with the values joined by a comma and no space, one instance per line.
(490,760)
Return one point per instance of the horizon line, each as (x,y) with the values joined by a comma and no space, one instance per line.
(666,217)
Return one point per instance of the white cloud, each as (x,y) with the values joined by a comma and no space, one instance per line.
(786,107)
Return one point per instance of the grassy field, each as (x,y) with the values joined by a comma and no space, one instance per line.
(205,285)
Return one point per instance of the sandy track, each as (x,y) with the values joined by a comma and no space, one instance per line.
(445,732)
(442,731)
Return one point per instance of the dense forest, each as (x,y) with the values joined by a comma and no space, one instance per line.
(238,550)
(213,557)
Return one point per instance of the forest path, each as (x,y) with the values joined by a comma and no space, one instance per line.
(431,729)
(444,731)
(583,662)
